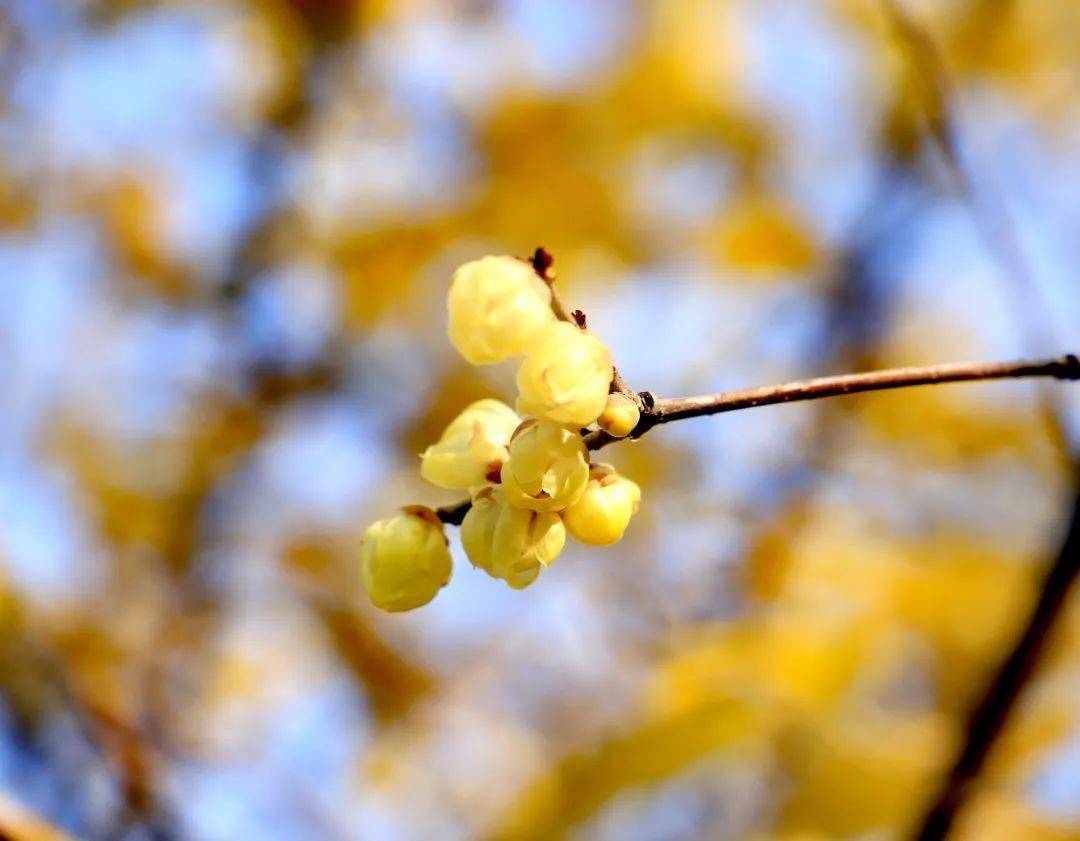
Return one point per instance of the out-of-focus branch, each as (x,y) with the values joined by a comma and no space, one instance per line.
(989,213)
(991,715)
(665,410)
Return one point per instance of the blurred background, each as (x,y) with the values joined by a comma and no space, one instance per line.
(226,234)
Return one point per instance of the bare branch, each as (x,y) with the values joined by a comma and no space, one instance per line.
(542,263)
(666,410)
(1062,368)
(659,411)
(992,714)
(454,515)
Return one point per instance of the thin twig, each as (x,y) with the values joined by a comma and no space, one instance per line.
(620,386)
(665,410)
(992,714)
(1062,368)
(542,262)
(454,515)
(558,307)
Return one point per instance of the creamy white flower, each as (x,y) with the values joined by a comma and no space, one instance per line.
(499,307)
(602,513)
(405,561)
(547,468)
(566,377)
(472,448)
(510,543)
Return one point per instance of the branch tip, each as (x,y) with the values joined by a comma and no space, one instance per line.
(1070,367)
(542,263)
(657,411)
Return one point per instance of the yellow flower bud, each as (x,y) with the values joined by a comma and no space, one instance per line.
(510,543)
(565,378)
(472,447)
(405,561)
(547,469)
(603,512)
(499,307)
(620,417)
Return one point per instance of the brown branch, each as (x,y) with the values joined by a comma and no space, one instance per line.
(454,515)
(992,713)
(542,262)
(559,308)
(620,386)
(665,410)
(1062,368)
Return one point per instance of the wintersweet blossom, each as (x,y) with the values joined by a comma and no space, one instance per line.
(499,307)
(510,543)
(566,377)
(547,468)
(472,448)
(405,560)
(602,513)
(620,417)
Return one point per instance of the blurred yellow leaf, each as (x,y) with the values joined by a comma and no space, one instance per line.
(18,823)
(579,784)
(765,237)
(393,685)
(863,771)
(969,602)
(999,816)
(136,217)
(380,269)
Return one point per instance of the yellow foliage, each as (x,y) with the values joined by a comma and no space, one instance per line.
(135,214)
(765,237)
(841,564)
(988,596)
(944,425)
(548,163)
(795,664)
(1046,717)
(700,45)
(1000,816)
(863,771)
(380,269)
(17,823)
(157,509)
(17,209)
(579,784)
(322,570)
(833,563)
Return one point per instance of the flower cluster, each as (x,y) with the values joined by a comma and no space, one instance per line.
(526,470)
